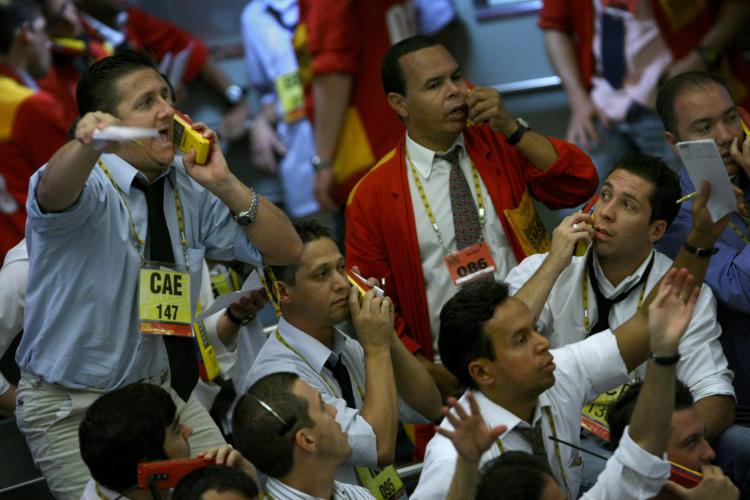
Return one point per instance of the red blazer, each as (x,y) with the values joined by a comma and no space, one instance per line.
(381,235)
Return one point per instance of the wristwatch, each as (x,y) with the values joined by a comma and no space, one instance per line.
(700,252)
(247,217)
(515,137)
(665,360)
(237,321)
(234,94)
(708,55)
(318,164)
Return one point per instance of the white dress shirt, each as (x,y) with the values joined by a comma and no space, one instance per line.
(13,278)
(276,490)
(434,174)
(703,367)
(275,357)
(584,369)
(631,473)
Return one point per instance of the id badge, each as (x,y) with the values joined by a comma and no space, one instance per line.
(383,484)
(470,264)
(164,301)
(291,95)
(594,414)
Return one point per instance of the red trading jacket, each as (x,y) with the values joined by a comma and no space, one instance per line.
(381,235)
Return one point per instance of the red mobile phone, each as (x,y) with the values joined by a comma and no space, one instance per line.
(685,477)
(167,473)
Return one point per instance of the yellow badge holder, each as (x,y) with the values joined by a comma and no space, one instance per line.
(164,301)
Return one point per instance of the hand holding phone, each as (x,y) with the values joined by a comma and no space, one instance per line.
(360,283)
(167,473)
(186,138)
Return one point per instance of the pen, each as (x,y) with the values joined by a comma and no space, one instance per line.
(687,197)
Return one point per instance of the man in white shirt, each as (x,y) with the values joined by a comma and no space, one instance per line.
(292,436)
(372,381)
(488,340)
(638,468)
(570,296)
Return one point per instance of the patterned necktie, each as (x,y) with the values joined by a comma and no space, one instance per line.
(613,49)
(533,435)
(183,364)
(341,374)
(465,216)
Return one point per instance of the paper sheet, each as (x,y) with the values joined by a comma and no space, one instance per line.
(223,301)
(703,163)
(117,133)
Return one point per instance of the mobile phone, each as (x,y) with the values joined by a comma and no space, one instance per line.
(167,473)
(360,283)
(185,138)
(683,476)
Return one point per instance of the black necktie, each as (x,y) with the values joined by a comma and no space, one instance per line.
(341,374)
(613,49)
(183,363)
(603,304)
(533,435)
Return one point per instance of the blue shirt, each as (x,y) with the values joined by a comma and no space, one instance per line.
(728,276)
(81,324)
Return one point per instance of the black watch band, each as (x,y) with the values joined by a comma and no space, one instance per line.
(237,321)
(700,252)
(516,136)
(665,360)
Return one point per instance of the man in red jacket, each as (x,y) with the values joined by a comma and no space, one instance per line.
(428,224)
(32,124)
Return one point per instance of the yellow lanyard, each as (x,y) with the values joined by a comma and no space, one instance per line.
(139,242)
(428,207)
(327,383)
(558,455)
(268,280)
(739,233)
(585,294)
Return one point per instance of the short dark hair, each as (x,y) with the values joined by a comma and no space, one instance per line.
(214,477)
(666,183)
(462,338)
(121,429)
(259,435)
(514,475)
(13,15)
(676,86)
(620,412)
(97,89)
(308,230)
(391,73)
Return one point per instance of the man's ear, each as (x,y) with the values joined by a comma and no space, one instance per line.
(398,103)
(672,140)
(305,440)
(657,230)
(283,290)
(478,370)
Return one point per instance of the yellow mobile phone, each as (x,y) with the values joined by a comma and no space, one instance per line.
(744,127)
(185,138)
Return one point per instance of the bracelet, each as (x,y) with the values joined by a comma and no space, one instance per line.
(700,252)
(665,360)
(238,321)
(318,164)
(233,94)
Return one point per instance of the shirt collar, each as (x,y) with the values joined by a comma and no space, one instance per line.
(499,415)
(309,347)
(424,158)
(123,172)
(607,288)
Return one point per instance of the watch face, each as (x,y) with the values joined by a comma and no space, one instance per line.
(522,122)
(243,219)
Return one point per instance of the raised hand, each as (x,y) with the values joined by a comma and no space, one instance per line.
(670,312)
(91,122)
(573,228)
(470,435)
(372,318)
(486,105)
